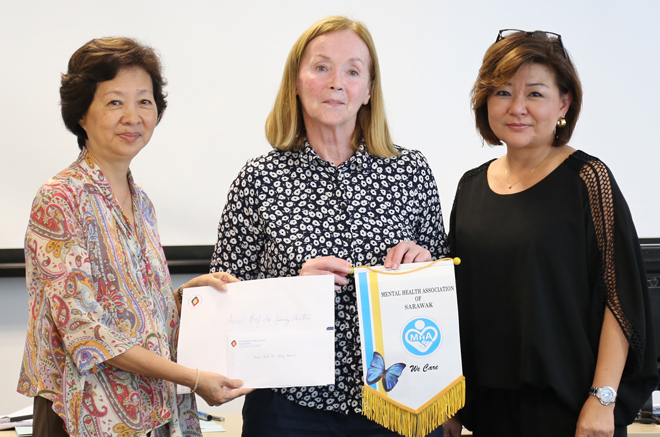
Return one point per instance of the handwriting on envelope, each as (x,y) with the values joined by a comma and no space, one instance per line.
(275,332)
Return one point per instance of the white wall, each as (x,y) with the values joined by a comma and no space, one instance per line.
(224,61)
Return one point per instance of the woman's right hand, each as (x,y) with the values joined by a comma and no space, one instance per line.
(218,280)
(216,389)
(452,427)
(328,265)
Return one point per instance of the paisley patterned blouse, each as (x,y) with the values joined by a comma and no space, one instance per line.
(96,288)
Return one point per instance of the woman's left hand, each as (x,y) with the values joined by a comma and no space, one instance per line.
(328,265)
(406,252)
(218,280)
(596,420)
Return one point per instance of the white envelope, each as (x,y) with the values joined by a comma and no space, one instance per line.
(287,357)
(276,332)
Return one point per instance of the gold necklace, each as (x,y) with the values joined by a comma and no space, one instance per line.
(506,170)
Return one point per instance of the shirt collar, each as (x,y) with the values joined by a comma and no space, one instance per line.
(358,161)
(92,170)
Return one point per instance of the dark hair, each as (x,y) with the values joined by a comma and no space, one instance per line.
(98,61)
(505,57)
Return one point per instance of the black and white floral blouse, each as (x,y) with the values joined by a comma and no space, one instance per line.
(287,207)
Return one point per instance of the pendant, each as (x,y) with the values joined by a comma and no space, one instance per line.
(509,186)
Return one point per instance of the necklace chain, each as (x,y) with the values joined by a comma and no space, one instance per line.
(128,210)
(506,171)
(128,195)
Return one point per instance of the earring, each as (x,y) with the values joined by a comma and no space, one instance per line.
(561,122)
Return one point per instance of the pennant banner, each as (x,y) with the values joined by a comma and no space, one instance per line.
(411,352)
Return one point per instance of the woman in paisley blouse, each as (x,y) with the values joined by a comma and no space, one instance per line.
(103,318)
(334,192)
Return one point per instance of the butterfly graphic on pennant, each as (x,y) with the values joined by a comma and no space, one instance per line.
(388,377)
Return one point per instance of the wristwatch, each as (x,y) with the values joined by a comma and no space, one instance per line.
(606,394)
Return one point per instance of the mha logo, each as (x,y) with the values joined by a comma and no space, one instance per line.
(421,336)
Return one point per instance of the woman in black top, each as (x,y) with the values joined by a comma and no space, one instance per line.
(555,324)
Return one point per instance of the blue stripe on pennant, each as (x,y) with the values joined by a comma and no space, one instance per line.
(367,328)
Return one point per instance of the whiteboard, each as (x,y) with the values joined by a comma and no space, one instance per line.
(224,61)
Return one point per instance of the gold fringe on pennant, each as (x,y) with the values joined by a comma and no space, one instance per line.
(414,423)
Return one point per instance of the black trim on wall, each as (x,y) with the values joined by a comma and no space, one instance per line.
(651,255)
(188,259)
(12,263)
(196,259)
(180,259)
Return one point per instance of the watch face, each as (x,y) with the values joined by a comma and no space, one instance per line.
(606,395)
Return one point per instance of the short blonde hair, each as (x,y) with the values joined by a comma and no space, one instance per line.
(285,128)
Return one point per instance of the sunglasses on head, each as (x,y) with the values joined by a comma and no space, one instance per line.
(540,34)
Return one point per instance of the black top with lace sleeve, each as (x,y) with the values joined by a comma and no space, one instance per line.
(539,267)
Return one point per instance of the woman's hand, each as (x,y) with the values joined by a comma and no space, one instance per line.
(452,427)
(596,420)
(216,389)
(406,252)
(328,265)
(218,280)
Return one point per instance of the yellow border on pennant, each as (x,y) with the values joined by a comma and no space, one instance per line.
(423,407)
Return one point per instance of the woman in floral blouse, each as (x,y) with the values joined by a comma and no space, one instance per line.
(98,282)
(334,192)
